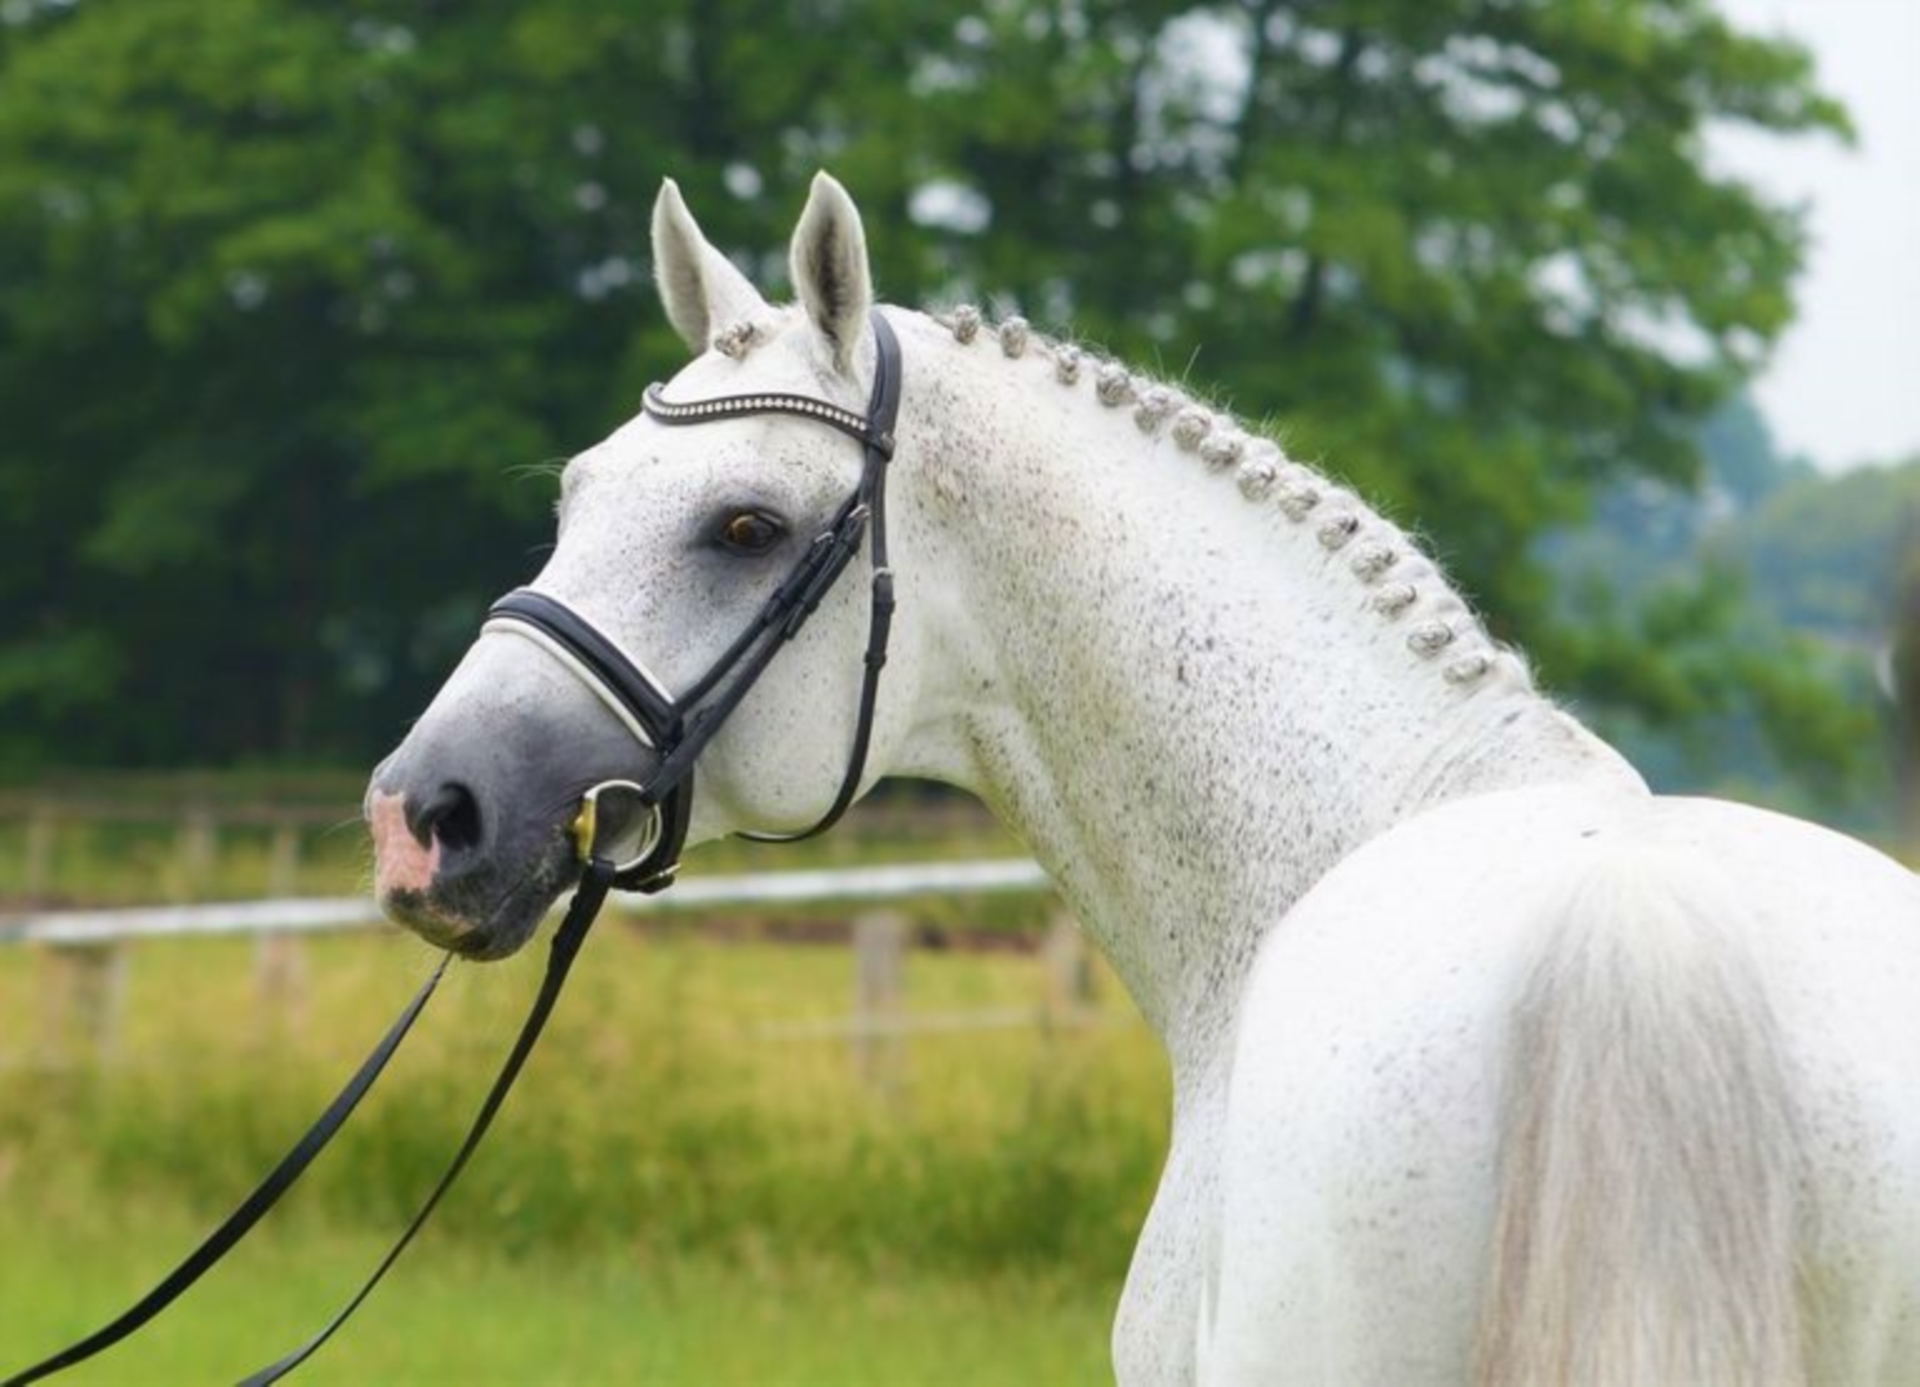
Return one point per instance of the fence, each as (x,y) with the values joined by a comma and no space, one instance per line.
(196,830)
(87,951)
(192,835)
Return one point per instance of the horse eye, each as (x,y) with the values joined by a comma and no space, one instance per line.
(750,532)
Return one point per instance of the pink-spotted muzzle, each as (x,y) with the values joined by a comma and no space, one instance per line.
(475,818)
(612,823)
(401,861)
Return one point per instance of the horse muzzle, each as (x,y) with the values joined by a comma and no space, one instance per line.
(439,872)
(474,817)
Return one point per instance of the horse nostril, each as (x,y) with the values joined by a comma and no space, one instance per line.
(452,816)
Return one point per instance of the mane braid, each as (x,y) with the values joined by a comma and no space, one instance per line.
(1408,585)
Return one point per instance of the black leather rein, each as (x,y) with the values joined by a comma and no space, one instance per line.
(677,730)
(587,899)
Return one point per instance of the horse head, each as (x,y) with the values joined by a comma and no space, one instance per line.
(687,558)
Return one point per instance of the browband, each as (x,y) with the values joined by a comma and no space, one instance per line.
(861,428)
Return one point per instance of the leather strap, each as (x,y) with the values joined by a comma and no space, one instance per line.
(883,413)
(587,899)
(857,427)
(644,696)
(679,728)
(586,903)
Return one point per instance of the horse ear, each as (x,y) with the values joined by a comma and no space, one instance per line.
(829,259)
(699,287)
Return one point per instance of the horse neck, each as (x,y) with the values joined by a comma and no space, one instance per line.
(1190,692)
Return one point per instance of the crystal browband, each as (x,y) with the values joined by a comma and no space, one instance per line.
(666,411)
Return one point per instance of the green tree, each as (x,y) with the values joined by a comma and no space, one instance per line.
(290,296)
(1903,679)
(1744,462)
(1837,560)
(1825,553)
(295,293)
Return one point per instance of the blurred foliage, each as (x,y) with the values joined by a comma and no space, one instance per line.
(301,299)
(1771,595)
(1903,677)
(1837,560)
(1826,553)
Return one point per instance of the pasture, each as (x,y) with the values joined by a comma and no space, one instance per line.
(689,1186)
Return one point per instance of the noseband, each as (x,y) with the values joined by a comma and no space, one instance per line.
(677,728)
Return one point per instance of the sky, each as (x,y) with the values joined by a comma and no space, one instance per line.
(1843,387)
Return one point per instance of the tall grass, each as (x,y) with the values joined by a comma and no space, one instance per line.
(657,1120)
(679,1191)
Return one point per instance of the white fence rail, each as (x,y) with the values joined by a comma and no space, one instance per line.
(306,915)
(87,951)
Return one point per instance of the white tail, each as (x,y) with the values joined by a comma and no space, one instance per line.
(1650,1160)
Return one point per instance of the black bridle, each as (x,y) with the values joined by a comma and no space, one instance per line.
(676,730)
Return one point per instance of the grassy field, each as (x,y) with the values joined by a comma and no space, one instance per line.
(680,1192)
(458,1313)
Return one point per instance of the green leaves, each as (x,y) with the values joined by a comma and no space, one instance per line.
(296,295)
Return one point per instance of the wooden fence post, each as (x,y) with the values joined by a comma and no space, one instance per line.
(38,877)
(1069,968)
(81,1002)
(199,845)
(283,862)
(879,947)
(279,961)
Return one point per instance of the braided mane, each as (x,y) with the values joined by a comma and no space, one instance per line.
(1405,584)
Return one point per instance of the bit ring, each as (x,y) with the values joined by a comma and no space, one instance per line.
(585,828)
